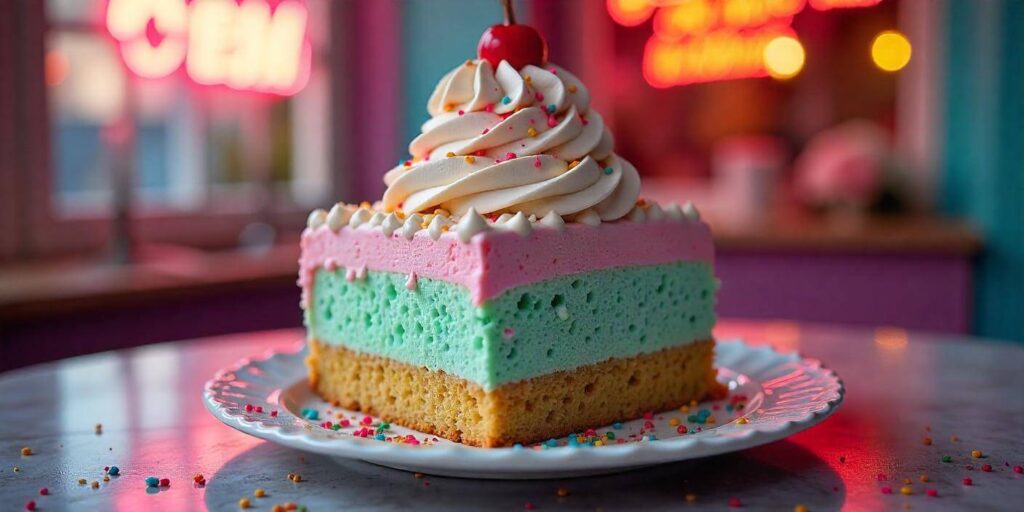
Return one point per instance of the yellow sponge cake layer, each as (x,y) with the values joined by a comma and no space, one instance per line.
(526,411)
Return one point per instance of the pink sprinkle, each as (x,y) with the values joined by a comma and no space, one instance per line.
(968,481)
(590,432)
(43,491)
(529,506)
(330,264)
(273,414)
(30,505)
(533,121)
(553,71)
(259,408)
(882,478)
(648,424)
(489,107)
(366,420)
(485,131)
(536,162)
(715,407)
(248,407)
(934,493)
(886,490)
(510,155)
(508,333)
(540,96)
(584,120)
(344,423)
(735,503)
(552,122)
(648,415)
(462,112)
(681,429)
(986,468)
(1018,469)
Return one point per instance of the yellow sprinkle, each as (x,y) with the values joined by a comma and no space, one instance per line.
(742,421)
(469,62)
(574,163)
(450,154)
(528,79)
(954,438)
(81,481)
(710,420)
(572,88)
(531,131)
(907,481)
(974,453)
(562,492)
(470,159)
(441,211)
(26,451)
(598,443)
(243,503)
(693,403)
(691,498)
(906,490)
(95,484)
(106,478)
(259,493)
(581,439)
(924,478)
(448,107)
(673,421)
(799,508)
(684,409)
(444,229)
(418,475)
(365,204)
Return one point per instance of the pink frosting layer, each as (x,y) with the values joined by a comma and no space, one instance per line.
(495,261)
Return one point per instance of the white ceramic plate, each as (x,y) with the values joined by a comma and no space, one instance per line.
(782,395)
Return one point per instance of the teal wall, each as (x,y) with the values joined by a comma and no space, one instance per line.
(983,178)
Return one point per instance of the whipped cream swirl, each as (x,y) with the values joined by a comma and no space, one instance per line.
(502,140)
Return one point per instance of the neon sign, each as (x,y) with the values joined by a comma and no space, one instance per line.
(709,40)
(248,45)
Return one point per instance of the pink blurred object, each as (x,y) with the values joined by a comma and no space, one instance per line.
(843,166)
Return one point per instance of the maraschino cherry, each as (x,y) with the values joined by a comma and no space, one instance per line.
(518,44)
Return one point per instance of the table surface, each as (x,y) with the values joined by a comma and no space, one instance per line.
(901,388)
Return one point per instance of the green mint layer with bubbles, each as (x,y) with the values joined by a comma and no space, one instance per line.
(527,331)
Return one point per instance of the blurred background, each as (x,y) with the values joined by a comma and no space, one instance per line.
(858,159)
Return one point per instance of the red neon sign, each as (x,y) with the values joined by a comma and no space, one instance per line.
(246,45)
(709,40)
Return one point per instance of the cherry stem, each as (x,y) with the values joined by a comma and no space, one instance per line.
(510,15)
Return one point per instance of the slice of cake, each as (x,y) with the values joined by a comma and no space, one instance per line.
(509,287)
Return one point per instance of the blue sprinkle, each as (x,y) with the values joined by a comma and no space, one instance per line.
(573,441)
(617,426)
(552,443)
(311,414)
(152,481)
(379,437)
(608,170)
(506,100)
(728,407)
(517,446)
(114,471)
(652,437)
(551,108)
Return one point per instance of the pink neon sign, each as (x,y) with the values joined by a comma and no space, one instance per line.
(250,45)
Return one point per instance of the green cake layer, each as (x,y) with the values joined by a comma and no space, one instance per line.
(531,330)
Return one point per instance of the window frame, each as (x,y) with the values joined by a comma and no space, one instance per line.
(31,226)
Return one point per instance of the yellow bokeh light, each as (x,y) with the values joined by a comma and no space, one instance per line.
(784,57)
(890,51)
(630,12)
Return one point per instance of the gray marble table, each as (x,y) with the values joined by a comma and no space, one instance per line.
(901,388)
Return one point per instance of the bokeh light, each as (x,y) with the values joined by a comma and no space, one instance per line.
(784,57)
(630,12)
(890,51)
